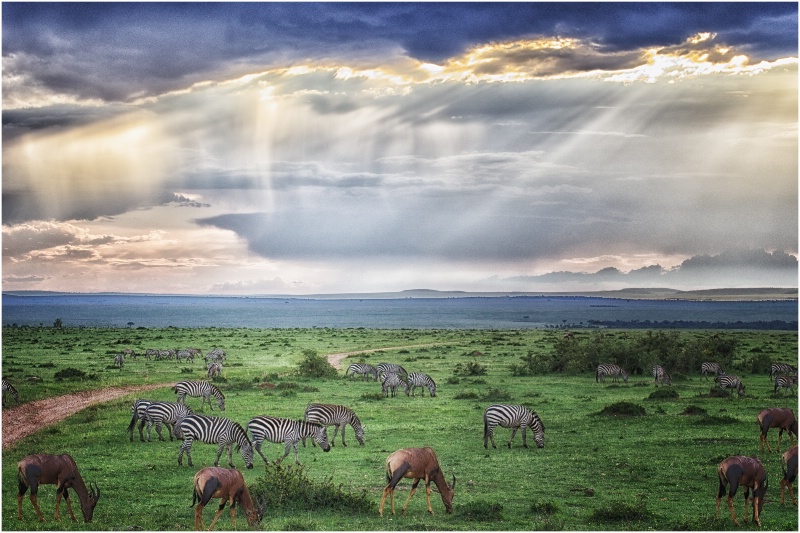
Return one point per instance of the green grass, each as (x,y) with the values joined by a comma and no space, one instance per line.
(600,469)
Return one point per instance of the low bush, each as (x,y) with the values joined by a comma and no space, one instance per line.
(545,508)
(314,365)
(623,409)
(693,410)
(621,512)
(663,394)
(480,511)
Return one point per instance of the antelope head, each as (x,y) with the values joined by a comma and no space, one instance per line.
(91,502)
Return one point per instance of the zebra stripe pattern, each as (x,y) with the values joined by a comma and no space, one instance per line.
(615,371)
(119,360)
(168,413)
(418,379)
(187,355)
(214,430)
(137,410)
(391,381)
(729,381)
(202,389)
(334,415)
(391,368)
(9,388)
(710,368)
(775,369)
(513,417)
(660,376)
(214,370)
(787,382)
(362,368)
(287,431)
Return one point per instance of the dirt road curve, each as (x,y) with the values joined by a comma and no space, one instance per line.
(28,418)
(335,359)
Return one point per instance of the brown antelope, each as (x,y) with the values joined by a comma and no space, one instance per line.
(417,464)
(776,417)
(789,472)
(58,470)
(749,473)
(229,486)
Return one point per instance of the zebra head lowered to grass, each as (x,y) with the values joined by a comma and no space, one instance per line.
(710,368)
(776,369)
(391,381)
(362,369)
(729,381)
(785,382)
(202,389)
(285,430)
(607,369)
(214,430)
(423,381)
(334,415)
(513,417)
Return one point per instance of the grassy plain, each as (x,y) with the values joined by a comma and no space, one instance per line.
(596,472)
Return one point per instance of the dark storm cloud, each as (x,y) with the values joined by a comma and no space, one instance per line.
(120,51)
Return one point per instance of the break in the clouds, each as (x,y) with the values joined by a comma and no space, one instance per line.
(300,148)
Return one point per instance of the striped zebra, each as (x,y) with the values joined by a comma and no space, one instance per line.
(362,368)
(389,368)
(151,353)
(119,360)
(710,368)
(660,375)
(137,410)
(615,371)
(199,388)
(776,369)
(391,381)
(168,413)
(513,417)
(334,415)
(9,388)
(729,381)
(418,379)
(214,370)
(217,355)
(787,382)
(287,431)
(214,430)
(186,355)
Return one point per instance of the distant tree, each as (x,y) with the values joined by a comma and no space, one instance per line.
(130,324)
(58,324)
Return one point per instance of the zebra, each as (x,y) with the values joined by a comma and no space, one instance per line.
(787,382)
(418,379)
(729,381)
(334,415)
(388,368)
(167,413)
(615,371)
(710,368)
(514,417)
(392,381)
(188,355)
(362,368)
(199,388)
(119,360)
(151,353)
(214,370)
(214,430)
(287,431)
(775,369)
(217,355)
(138,409)
(660,375)
(8,387)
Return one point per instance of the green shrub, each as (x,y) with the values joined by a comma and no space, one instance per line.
(623,409)
(693,410)
(473,368)
(314,365)
(621,512)
(663,394)
(468,395)
(69,373)
(480,511)
(545,508)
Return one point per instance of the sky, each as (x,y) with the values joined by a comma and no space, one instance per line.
(307,148)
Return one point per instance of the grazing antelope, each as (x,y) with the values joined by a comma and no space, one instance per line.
(229,487)
(776,417)
(417,464)
(749,473)
(789,466)
(58,470)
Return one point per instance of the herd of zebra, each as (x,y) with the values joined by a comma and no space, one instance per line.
(213,359)
(392,376)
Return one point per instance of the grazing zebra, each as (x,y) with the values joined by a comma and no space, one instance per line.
(199,388)
(214,430)
(217,355)
(775,369)
(151,353)
(168,413)
(138,409)
(729,381)
(418,379)
(392,381)
(334,415)
(660,375)
(8,387)
(214,370)
(710,368)
(615,371)
(787,382)
(362,368)
(287,431)
(514,417)
(119,360)
(388,368)
(187,355)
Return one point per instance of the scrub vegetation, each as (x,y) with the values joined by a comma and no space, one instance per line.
(616,456)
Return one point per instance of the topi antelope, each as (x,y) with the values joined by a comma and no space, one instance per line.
(417,464)
(229,487)
(776,417)
(789,472)
(749,473)
(58,470)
